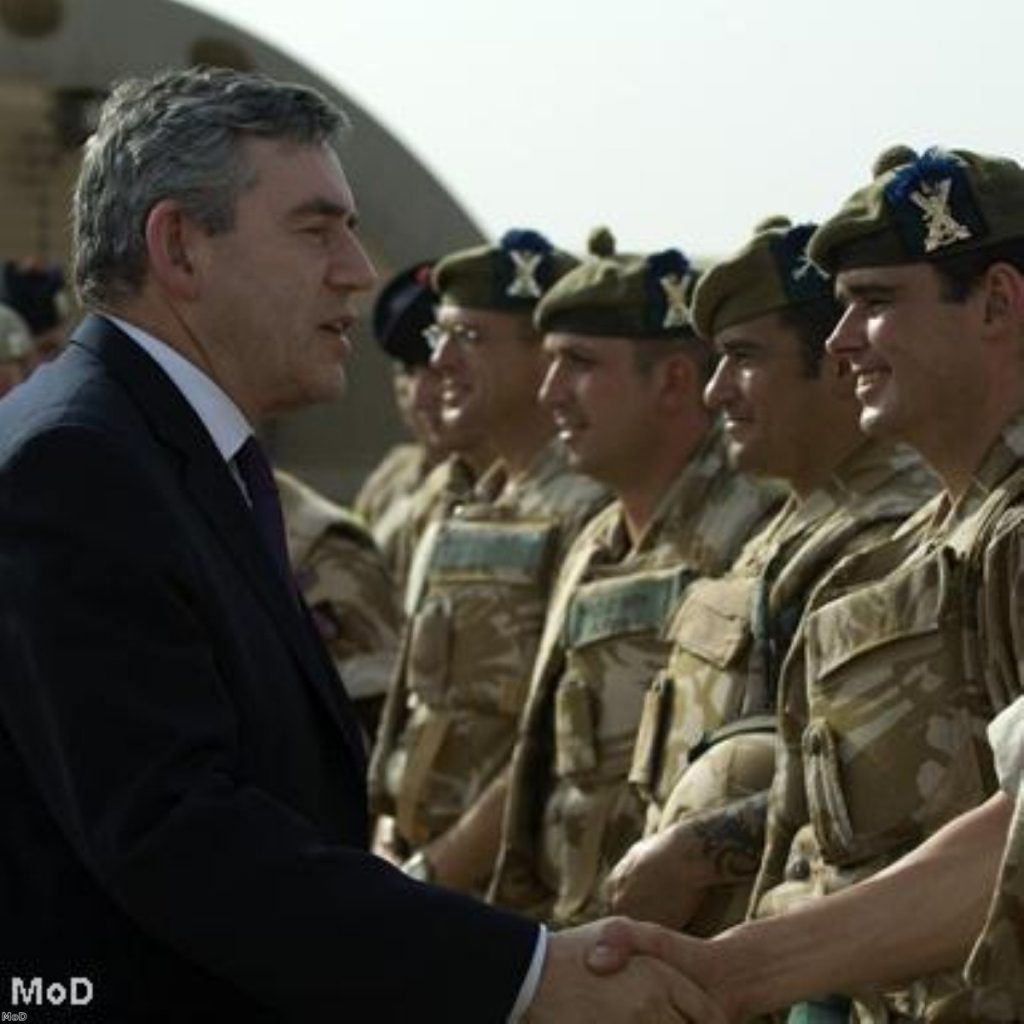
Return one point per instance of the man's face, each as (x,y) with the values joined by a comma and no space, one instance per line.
(914,354)
(276,291)
(767,401)
(491,367)
(604,408)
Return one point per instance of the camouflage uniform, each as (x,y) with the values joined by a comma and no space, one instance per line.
(995,970)
(387,500)
(348,589)
(450,718)
(707,736)
(571,813)
(907,650)
(450,484)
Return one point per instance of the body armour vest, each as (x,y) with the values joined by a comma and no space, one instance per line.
(453,710)
(905,654)
(707,738)
(571,810)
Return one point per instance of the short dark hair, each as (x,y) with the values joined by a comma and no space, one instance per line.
(959,274)
(648,352)
(812,322)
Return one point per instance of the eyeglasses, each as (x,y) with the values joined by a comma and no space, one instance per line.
(461,334)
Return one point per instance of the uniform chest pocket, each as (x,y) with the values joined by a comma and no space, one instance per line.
(704,683)
(494,578)
(894,745)
(615,645)
(712,623)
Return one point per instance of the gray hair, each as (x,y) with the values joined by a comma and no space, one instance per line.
(178,135)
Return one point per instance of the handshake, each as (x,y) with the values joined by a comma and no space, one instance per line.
(621,970)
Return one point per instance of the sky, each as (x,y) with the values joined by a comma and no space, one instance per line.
(674,122)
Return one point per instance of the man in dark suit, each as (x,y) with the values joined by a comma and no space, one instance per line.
(182,810)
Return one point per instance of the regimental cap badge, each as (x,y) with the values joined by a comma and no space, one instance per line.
(526,252)
(673,276)
(932,203)
(801,278)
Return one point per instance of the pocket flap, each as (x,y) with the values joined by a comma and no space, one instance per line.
(713,620)
(908,603)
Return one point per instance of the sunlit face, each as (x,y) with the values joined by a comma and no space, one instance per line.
(491,366)
(276,290)
(604,408)
(767,401)
(914,354)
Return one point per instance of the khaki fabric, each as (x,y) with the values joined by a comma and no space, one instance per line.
(571,812)
(387,502)
(706,737)
(450,717)
(348,588)
(906,652)
(995,971)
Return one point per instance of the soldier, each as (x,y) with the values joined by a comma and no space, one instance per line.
(705,751)
(485,571)
(350,593)
(919,915)
(38,294)
(403,311)
(15,349)
(910,648)
(625,388)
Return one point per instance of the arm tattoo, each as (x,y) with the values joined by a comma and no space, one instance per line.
(731,838)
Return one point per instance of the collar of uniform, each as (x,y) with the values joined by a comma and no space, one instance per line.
(497,486)
(871,466)
(1005,455)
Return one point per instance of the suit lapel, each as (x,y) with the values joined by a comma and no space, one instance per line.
(214,491)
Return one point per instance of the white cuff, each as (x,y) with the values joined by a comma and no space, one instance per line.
(528,989)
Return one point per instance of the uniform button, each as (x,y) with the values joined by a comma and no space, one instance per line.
(800,870)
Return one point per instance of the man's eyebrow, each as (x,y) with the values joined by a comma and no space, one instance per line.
(737,346)
(847,290)
(321,207)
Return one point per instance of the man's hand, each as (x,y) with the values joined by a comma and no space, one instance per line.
(641,989)
(617,940)
(659,880)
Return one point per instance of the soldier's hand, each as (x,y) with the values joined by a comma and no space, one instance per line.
(657,880)
(642,989)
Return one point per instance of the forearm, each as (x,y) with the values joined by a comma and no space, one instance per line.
(665,877)
(918,916)
(464,856)
(725,844)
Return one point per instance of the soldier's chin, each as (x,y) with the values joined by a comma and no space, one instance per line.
(875,422)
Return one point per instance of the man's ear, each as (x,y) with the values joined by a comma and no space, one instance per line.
(169,232)
(1004,297)
(678,382)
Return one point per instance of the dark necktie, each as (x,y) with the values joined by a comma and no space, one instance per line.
(256,474)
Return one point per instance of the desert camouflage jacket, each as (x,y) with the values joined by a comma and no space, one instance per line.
(451,713)
(571,812)
(905,654)
(707,735)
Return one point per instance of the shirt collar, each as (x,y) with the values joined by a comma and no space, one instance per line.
(223,420)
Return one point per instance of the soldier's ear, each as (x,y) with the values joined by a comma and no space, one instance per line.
(1004,296)
(679,382)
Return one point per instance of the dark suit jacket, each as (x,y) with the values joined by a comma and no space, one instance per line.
(182,809)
